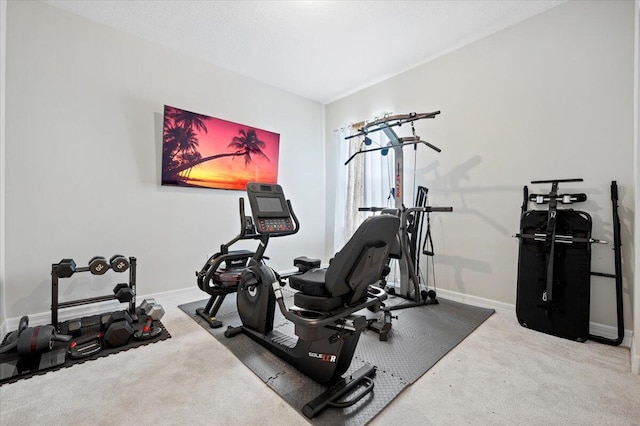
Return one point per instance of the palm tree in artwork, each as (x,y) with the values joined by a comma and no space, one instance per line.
(179,141)
(188,157)
(248,144)
(189,119)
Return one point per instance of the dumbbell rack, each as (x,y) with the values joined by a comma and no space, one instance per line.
(56,305)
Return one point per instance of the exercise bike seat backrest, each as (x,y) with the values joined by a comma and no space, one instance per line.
(357,265)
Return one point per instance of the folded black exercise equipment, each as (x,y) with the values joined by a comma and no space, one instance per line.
(326,327)
(554,265)
(404,249)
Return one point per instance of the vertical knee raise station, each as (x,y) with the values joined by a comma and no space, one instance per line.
(554,265)
(327,325)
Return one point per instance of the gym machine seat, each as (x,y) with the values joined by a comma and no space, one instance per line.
(358,264)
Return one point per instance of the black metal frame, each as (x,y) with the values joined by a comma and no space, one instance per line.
(409,279)
(550,238)
(56,305)
(330,336)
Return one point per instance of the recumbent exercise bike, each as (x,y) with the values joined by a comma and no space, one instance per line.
(327,325)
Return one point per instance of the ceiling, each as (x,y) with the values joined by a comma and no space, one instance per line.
(321,50)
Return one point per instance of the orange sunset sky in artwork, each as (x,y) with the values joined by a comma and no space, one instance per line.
(231,172)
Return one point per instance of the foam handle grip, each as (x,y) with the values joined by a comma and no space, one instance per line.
(614,191)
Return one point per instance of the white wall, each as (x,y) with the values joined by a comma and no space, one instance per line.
(3,56)
(551,97)
(83,151)
(635,347)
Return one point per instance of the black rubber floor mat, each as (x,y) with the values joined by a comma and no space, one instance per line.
(14,367)
(419,338)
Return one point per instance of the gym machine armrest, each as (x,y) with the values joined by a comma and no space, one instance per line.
(376,295)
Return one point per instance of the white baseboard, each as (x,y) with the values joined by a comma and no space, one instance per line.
(595,328)
(501,307)
(4,329)
(44,318)
(611,332)
(190,293)
(635,359)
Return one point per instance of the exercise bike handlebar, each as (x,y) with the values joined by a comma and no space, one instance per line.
(296,224)
(243,224)
(243,228)
(376,295)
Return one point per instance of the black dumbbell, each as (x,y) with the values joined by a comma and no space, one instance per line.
(119,329)
(12,338)
(98,265)
(153,311)
(123,292)
(65,268)
(119,263)
(145,303)
(75,326)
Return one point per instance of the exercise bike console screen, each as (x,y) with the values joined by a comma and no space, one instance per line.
(269,208)
(269,204)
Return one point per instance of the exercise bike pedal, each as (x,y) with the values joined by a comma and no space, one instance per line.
(382,326)
(232,331)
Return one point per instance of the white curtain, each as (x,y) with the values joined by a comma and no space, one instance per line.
(378,173)
(355,184)
(365,182)
(341,189)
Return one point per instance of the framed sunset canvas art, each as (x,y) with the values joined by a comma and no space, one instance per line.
(207,152)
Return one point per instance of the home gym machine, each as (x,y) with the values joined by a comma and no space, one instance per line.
(404,248)
(327,327)
(554,265)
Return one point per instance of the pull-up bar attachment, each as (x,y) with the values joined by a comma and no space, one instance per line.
(403,142)
(392,121)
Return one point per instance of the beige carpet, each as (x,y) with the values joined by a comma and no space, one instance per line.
(500,374)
